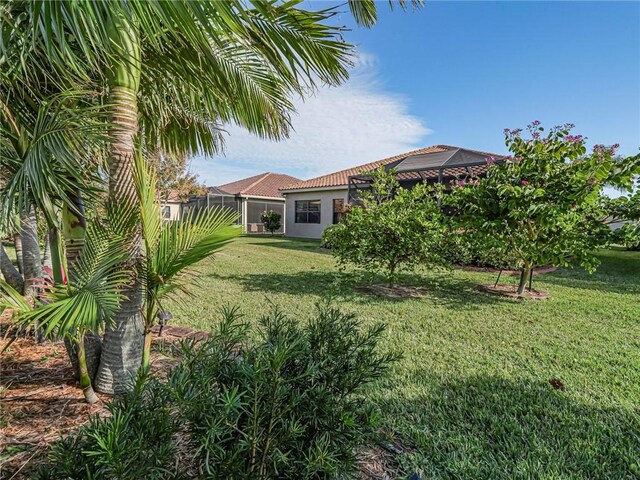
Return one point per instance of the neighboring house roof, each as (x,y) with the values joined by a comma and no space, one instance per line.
(341,178)
(174,197)
(264,185)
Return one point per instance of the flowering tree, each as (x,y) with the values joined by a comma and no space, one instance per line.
(542,203)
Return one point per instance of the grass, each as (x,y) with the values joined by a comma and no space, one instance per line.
(471,397)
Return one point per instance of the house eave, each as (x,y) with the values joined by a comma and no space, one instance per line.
(316,189)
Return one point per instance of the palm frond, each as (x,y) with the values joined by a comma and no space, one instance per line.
(93,293)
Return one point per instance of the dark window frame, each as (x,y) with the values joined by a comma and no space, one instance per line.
(305,214)
(337,213)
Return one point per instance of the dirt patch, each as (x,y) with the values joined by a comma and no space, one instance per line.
(511,292)
(536,271)
(397,291)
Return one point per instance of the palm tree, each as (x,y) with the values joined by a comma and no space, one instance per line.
(175,72)
(171,248)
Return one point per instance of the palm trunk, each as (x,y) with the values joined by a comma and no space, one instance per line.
(17,242)
(524,278)
(46,257)
(57,264)
(32,267)
(85,379)
(123,340)
(31,259)
(9,271)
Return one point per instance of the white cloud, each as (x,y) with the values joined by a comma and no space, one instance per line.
(337,128)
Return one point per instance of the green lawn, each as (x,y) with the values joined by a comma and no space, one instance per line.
(471,397)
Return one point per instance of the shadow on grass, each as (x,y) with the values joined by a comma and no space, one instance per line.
(486,427)
(444,290)
(619,272)
(304,245)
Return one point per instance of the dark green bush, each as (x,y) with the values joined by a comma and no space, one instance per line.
(289,404)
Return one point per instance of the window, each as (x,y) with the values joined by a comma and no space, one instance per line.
(166,212)
(338,209)
(308,211)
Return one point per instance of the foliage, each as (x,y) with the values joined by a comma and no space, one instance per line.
(447,404)
(173,176)
(135,441)
(271,220)
(541,205)
(628,235)
(172,248)
(467,247)
(93,292)
(394,229)
(291,404)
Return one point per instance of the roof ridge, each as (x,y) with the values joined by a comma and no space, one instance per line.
(262,177)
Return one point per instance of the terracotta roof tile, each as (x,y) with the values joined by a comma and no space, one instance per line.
(263,185)
(341,178)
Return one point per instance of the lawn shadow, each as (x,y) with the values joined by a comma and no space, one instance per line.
(303,245)
(444,290)
(487,427)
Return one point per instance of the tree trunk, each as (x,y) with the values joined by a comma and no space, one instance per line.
(123,340)
(524,278)
(32,267)
(46,257)
(31,259)
(57,264)
(9,271)
(85,380)
(17,242)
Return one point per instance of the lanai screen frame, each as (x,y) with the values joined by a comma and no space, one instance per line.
(410,177)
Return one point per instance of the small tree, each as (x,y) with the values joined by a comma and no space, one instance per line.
(271,221)
(394,229)
(542,203)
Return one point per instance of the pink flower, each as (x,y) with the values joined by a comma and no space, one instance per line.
(524,182)
(490,160)
(536,135)
(591,180)
(535,123)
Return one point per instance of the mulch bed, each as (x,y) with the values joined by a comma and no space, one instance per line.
(40,401)
(397,291)
(536,271)
(511,292)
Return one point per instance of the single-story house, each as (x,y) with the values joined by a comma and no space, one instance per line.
(312,205)
(248,197)
(171,207)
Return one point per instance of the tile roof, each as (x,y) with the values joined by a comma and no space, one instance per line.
(341,178)
(263,185)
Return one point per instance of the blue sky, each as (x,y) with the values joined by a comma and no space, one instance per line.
(458,73)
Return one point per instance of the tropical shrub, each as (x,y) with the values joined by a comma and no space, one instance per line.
(289,404)
(271,221)
(542,203)
(394,229)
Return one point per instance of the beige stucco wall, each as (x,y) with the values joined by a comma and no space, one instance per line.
(175,210)
(311,230)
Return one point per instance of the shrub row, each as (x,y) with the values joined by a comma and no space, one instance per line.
(290,404)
